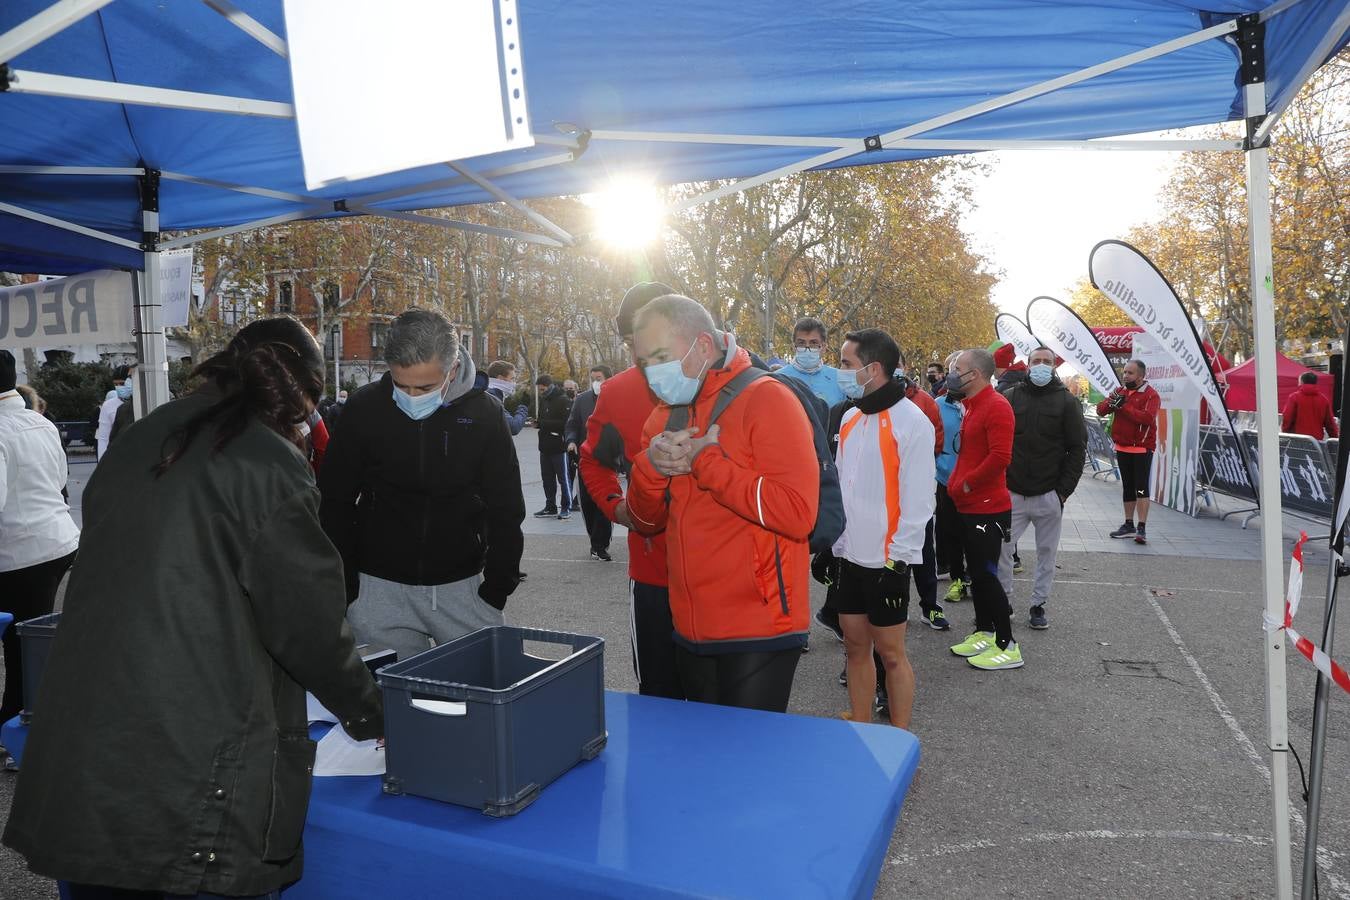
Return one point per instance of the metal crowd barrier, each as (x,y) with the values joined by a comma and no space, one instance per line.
(1307,472)
(1101,453)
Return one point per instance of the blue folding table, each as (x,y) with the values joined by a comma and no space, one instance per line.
(686,800)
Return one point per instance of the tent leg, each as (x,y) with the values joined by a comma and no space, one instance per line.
(1268,488)
(152,349)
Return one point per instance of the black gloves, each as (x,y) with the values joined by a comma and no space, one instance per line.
(892,583)
(825,568)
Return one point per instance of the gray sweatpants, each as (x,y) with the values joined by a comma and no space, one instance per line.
(1044,513)
(411,618)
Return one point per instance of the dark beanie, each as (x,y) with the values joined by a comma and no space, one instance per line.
(544,380)
(638,296)
(8,376)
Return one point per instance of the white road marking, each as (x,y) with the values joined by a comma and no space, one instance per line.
(1099,834)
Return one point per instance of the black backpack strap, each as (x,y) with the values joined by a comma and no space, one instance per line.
(731,390)
(678,419)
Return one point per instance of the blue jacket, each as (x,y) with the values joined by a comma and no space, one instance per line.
(823,382)
(952,414)
(515,421)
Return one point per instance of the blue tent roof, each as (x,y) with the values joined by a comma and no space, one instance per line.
(824,68)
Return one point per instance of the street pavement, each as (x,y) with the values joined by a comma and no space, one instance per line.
(1125,759)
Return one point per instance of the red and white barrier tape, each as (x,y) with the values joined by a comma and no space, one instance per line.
(1292,596)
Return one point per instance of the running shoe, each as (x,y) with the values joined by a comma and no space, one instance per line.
(882,705)
(1140,537)
(565,514)
(843,678)
(1124,531)
(936,620)
(1038,619)
(547,512)
(994,659)
(976,644)
(830,620)
(1017,565)
(601,556)
(959,591)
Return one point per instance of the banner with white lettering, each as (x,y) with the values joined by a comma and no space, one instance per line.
(94,308)
(1012,330)
(1178,441)
(175,291)
(1069,336)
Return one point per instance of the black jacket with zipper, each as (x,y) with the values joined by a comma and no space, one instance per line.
(169,750)
(554,408)
(1049,440)
(425,502)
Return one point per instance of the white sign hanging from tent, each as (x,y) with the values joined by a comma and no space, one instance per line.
(383,87)
(1013,330)
(1178,447)
(94,308)
(1073,341)
(175,286)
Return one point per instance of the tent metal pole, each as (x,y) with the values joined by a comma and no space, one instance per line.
(519,206)
(190,239)
(52,20)
(71,170)
(437,221)
(1310,65)
(68,226)
(1268,464)
(22,81)
(250,26)
(515,168)
(1317,754)
(151,346)
(755,140)
(244,189)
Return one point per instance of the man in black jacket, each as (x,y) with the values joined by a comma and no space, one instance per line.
(598,527)
(554,408)
(421,495)
(1048,451)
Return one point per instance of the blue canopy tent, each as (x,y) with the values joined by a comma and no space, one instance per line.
(126,120)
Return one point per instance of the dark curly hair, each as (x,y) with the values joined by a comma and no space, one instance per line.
(267,372)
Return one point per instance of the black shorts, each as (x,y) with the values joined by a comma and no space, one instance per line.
(859,595)
(1135,471)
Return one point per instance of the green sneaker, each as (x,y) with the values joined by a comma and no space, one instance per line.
(958,591)
(994,659)
(976,644)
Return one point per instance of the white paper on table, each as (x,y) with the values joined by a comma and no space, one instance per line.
(441,707)
(338,754)
(316,711)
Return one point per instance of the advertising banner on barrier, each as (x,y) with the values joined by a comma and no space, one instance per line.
(1306,480)
(1176,455)
(1221,463)
(94,308)
(1014,331)
(1071,339)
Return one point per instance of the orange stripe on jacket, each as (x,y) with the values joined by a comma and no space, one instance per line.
(890,467)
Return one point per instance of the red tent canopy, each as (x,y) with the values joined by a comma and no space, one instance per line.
(1242,383)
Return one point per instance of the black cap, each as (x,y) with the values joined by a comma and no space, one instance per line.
(121,373)
(8,372)
(638,296)
(544,381)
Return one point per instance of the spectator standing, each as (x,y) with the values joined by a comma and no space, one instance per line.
(936,374)
(1049,448)
(949,542)
(170,753)
(744,491)
(1008,371)
(502,385)
(37,535)
(598,527)
(107,414)
(613,443)
(886,473)
(809,341)
(1134,430)
(979,490)
(421,495)
(1308,411)
(554,470)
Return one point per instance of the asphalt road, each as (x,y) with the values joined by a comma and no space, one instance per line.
(1126,759)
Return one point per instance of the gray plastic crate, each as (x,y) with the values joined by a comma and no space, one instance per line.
(36,637)
(526,719)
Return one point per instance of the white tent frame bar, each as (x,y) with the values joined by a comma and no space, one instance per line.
(1310,65)
(135,172)
(45,219)
(417,218)
(52,20)
(23,81)
(251,27)
(293,216)
(518,205)
(922,143)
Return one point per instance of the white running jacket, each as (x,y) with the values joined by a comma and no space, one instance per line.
(888,477)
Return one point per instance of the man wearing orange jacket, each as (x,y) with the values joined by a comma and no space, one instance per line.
(737,498)
(613,440)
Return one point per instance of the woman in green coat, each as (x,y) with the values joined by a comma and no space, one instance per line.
(169,751)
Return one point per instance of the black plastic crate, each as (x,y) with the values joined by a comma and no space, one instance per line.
(526,718)
(36,637)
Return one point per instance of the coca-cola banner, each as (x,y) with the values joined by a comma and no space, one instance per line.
(1071,339)
(1013,330)
(1135,285)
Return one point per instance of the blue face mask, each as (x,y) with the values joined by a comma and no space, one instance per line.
(669,383)
(123,391)
(1041,373)
(848,383)
(421,406)
(807,359)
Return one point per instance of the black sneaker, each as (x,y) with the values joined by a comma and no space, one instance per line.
(601,555)
(843,678)
(1139,536)
(1038,620)
(1124,531)
(936,620)
(548,512)
(831,622)
(882,704)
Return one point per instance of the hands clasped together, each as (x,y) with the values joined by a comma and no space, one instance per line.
(672,452)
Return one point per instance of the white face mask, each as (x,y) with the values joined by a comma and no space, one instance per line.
(595,386)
